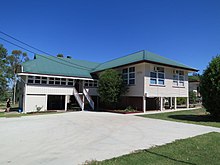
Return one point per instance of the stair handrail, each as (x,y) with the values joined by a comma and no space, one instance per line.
(78,99)
(91,102)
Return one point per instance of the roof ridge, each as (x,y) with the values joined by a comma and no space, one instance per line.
(144,55)
(172,60)
(118,58)
(67,63)
(71,59)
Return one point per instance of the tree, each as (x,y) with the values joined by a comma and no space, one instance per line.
(111,87)
(192,97)
(3,71)
(194,78)
(210,87)
(14,63)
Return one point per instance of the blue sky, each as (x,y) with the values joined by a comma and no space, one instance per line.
(184,30)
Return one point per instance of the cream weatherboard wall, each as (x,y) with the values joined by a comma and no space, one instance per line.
(49,90)
(168,89)
(142,82)
(33,102)
(137,89)
(36,96)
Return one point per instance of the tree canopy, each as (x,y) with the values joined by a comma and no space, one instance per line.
(9,66)
(111,87)
(194,78)
(3,72)
(210,87)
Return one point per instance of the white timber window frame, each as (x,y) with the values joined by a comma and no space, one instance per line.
(37,80)
(128,75)
(91,84)
(44,80)
(178,78)
(157,76)
(30,80)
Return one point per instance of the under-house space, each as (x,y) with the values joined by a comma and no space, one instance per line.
(56,102)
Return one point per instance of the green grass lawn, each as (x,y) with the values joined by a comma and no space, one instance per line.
(199,150)
(3,114)
(197,116)
(14,114)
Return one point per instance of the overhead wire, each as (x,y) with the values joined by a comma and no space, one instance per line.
(81,67)
(23,43)
(17,45)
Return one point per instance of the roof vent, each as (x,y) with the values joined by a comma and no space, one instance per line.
(60,55)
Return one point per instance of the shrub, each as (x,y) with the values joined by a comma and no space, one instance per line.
(111,87)
(130,109)
(210,87)
(192,97)
(181,100)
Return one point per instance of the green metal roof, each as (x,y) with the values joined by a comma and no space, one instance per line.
(140,57)
(79,68)
(59,66)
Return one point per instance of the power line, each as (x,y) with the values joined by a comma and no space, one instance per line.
(36,49)
(17,45)
(24,43)
(43,56)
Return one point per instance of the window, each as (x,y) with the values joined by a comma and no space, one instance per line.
(70,82)
(178,78)
(157,77)
(175,80)
(128,75)
(153,78)
(125,75)
(95,83)
(88,83)
(30,79)
(37,80)
(43,80)
(57,81)
(51,81)
(63,81)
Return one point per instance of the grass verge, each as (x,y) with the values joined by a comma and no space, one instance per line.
(15,114)
(197,116)
(199,150)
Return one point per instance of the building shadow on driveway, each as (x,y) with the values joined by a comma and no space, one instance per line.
(195,118)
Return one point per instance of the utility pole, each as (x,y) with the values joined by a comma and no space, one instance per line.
(14,91)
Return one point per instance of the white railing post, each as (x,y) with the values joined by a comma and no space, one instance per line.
(66,101)
(161,103)
(175,103)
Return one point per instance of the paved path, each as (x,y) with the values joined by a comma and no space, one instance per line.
(73,138)
(164,111)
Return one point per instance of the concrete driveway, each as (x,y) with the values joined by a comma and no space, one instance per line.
(73,138)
